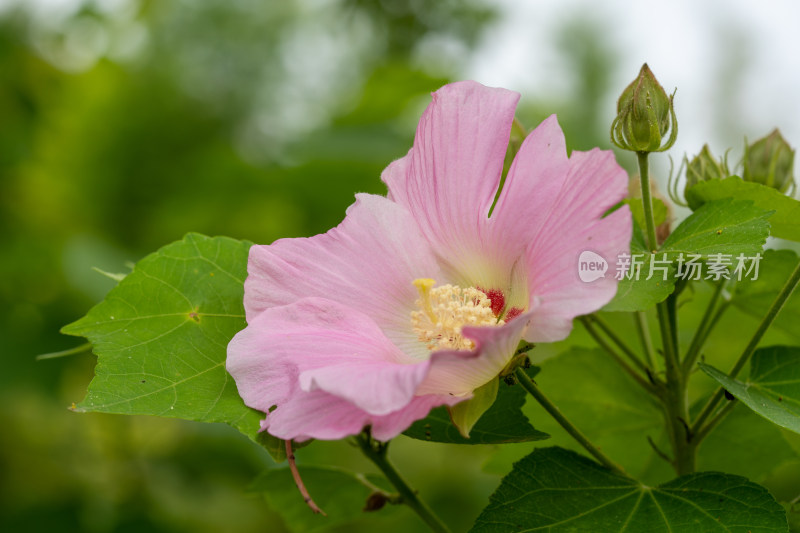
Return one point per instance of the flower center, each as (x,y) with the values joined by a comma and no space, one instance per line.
(444,310)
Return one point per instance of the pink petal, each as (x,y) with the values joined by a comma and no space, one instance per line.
(594,184)
(318,415)
(320,345)
(534,180)
(449,178)
(368,262)
(458,373)
(377,387)
(548,212)
(330,371)
(387,427)
(315,415)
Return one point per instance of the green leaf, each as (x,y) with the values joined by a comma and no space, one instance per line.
(556,490)
(642,293)
(503,422)
(755,297)
(161,335)
(726,226)
(784,222)
(342,495)
(465,414)
(773,388)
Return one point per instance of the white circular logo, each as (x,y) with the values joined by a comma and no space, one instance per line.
(591,266)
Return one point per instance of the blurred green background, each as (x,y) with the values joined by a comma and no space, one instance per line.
(125,124)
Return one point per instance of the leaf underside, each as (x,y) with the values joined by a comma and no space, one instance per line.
(773,388)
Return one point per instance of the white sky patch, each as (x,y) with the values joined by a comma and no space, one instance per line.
(686,43)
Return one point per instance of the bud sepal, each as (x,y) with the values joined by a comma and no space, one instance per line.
(705,167)
(645,113)
(769,161)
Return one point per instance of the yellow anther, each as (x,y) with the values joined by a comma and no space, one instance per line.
(445,310)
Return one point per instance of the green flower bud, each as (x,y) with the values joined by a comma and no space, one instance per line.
(644,116)
(769,161)
(705,167)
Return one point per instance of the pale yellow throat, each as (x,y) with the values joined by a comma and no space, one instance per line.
(443,311)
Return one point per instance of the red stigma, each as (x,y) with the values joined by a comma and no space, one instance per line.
(497,298)
(513,313)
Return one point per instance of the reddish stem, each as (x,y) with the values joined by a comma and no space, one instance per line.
(299,481)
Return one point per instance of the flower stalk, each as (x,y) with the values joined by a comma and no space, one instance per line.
(299,480)
(675,398)
(637,362)
(376,452)
(704,329)
(645,115)
(640,320)
(529,385)
(649,387)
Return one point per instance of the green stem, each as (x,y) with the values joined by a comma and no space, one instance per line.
(528,384)
(672,316)
(647,201)
(647,342)
(671,361)
(72,351)
(652,245)
(393,498)
(676,410)
(796,499)
(766,322)
(587,323)
(703,330)
(670,352)
(721,414)
(376,452)
(675,399)
(619,342)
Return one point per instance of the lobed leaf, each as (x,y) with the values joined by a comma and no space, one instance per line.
(723,226)
(555,490)
(161,337)
(785,220)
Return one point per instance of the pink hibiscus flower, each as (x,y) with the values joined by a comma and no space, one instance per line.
(419,298)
